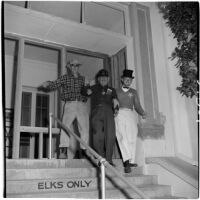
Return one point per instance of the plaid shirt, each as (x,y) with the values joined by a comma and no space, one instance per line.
(71,87)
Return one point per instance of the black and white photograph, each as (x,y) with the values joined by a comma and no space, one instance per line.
(100,99)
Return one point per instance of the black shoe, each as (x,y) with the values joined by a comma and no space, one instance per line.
(111,163)
(133,164)
(82,154)
(127,169)
(126,163)
(77,155)
(63,153)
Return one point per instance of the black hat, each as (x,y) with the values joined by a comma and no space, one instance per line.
(127,73)
(102,72)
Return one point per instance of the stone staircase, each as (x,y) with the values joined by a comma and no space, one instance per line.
(75,179)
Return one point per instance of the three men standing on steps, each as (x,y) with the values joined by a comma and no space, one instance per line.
(74,106)
(102,116)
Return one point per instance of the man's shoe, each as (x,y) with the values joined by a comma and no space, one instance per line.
(111,163)
(82,154)
(126,163)
(133,164)
(77,155)
(127,169)
(63,153)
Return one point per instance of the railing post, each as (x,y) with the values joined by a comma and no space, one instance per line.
(103,185)
(50,133)
(41,145)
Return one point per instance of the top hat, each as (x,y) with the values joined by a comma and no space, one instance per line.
(127,73)
(74,62)
(102,72)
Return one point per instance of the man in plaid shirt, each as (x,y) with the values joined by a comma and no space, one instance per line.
(74,108)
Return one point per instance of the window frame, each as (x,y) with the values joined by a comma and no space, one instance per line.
(114,6)
(34,92)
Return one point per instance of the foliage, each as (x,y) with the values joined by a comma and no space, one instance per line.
(182,19)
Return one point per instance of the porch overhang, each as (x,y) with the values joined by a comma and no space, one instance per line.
(47,28)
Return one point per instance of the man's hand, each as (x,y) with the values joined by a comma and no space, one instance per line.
(116,107)
(87,82)
(115,103)
(116,112)
(89,91)
(44,86)
(92,82)
(144,116)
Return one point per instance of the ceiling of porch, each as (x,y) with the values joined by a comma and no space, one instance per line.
(48,28)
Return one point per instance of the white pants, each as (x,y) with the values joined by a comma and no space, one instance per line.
(126,132)
(75,110)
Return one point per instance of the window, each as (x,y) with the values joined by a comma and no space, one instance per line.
(17,3)
(101,15)
(26,109)
(105,17)
(64,9)
(42,110)
(36,106)
(35,109)
(24,145)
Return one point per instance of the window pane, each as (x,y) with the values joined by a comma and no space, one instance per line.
(67,10)
(40,62)
(26,109)
(38,117)
(38,102)
(45,117)
(17,3)
(45,102)
(24,145)
(104,17)
(42,110)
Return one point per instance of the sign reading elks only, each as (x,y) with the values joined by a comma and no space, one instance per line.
(70,184)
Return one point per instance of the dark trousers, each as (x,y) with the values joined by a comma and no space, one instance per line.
(103,130)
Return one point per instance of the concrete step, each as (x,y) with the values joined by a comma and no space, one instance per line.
(24,174)
(152,190)
(76,184)
(53,163)
(169,197)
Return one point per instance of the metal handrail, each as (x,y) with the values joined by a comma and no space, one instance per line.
(100,159)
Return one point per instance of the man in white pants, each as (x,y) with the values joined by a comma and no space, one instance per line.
(75,107)
(126,120)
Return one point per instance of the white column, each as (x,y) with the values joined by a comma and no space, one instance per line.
(18,97)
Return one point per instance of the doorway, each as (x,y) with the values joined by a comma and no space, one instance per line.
(91,64)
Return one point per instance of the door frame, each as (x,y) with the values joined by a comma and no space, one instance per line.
(61,65)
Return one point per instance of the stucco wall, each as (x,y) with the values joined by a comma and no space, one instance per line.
(181,113)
